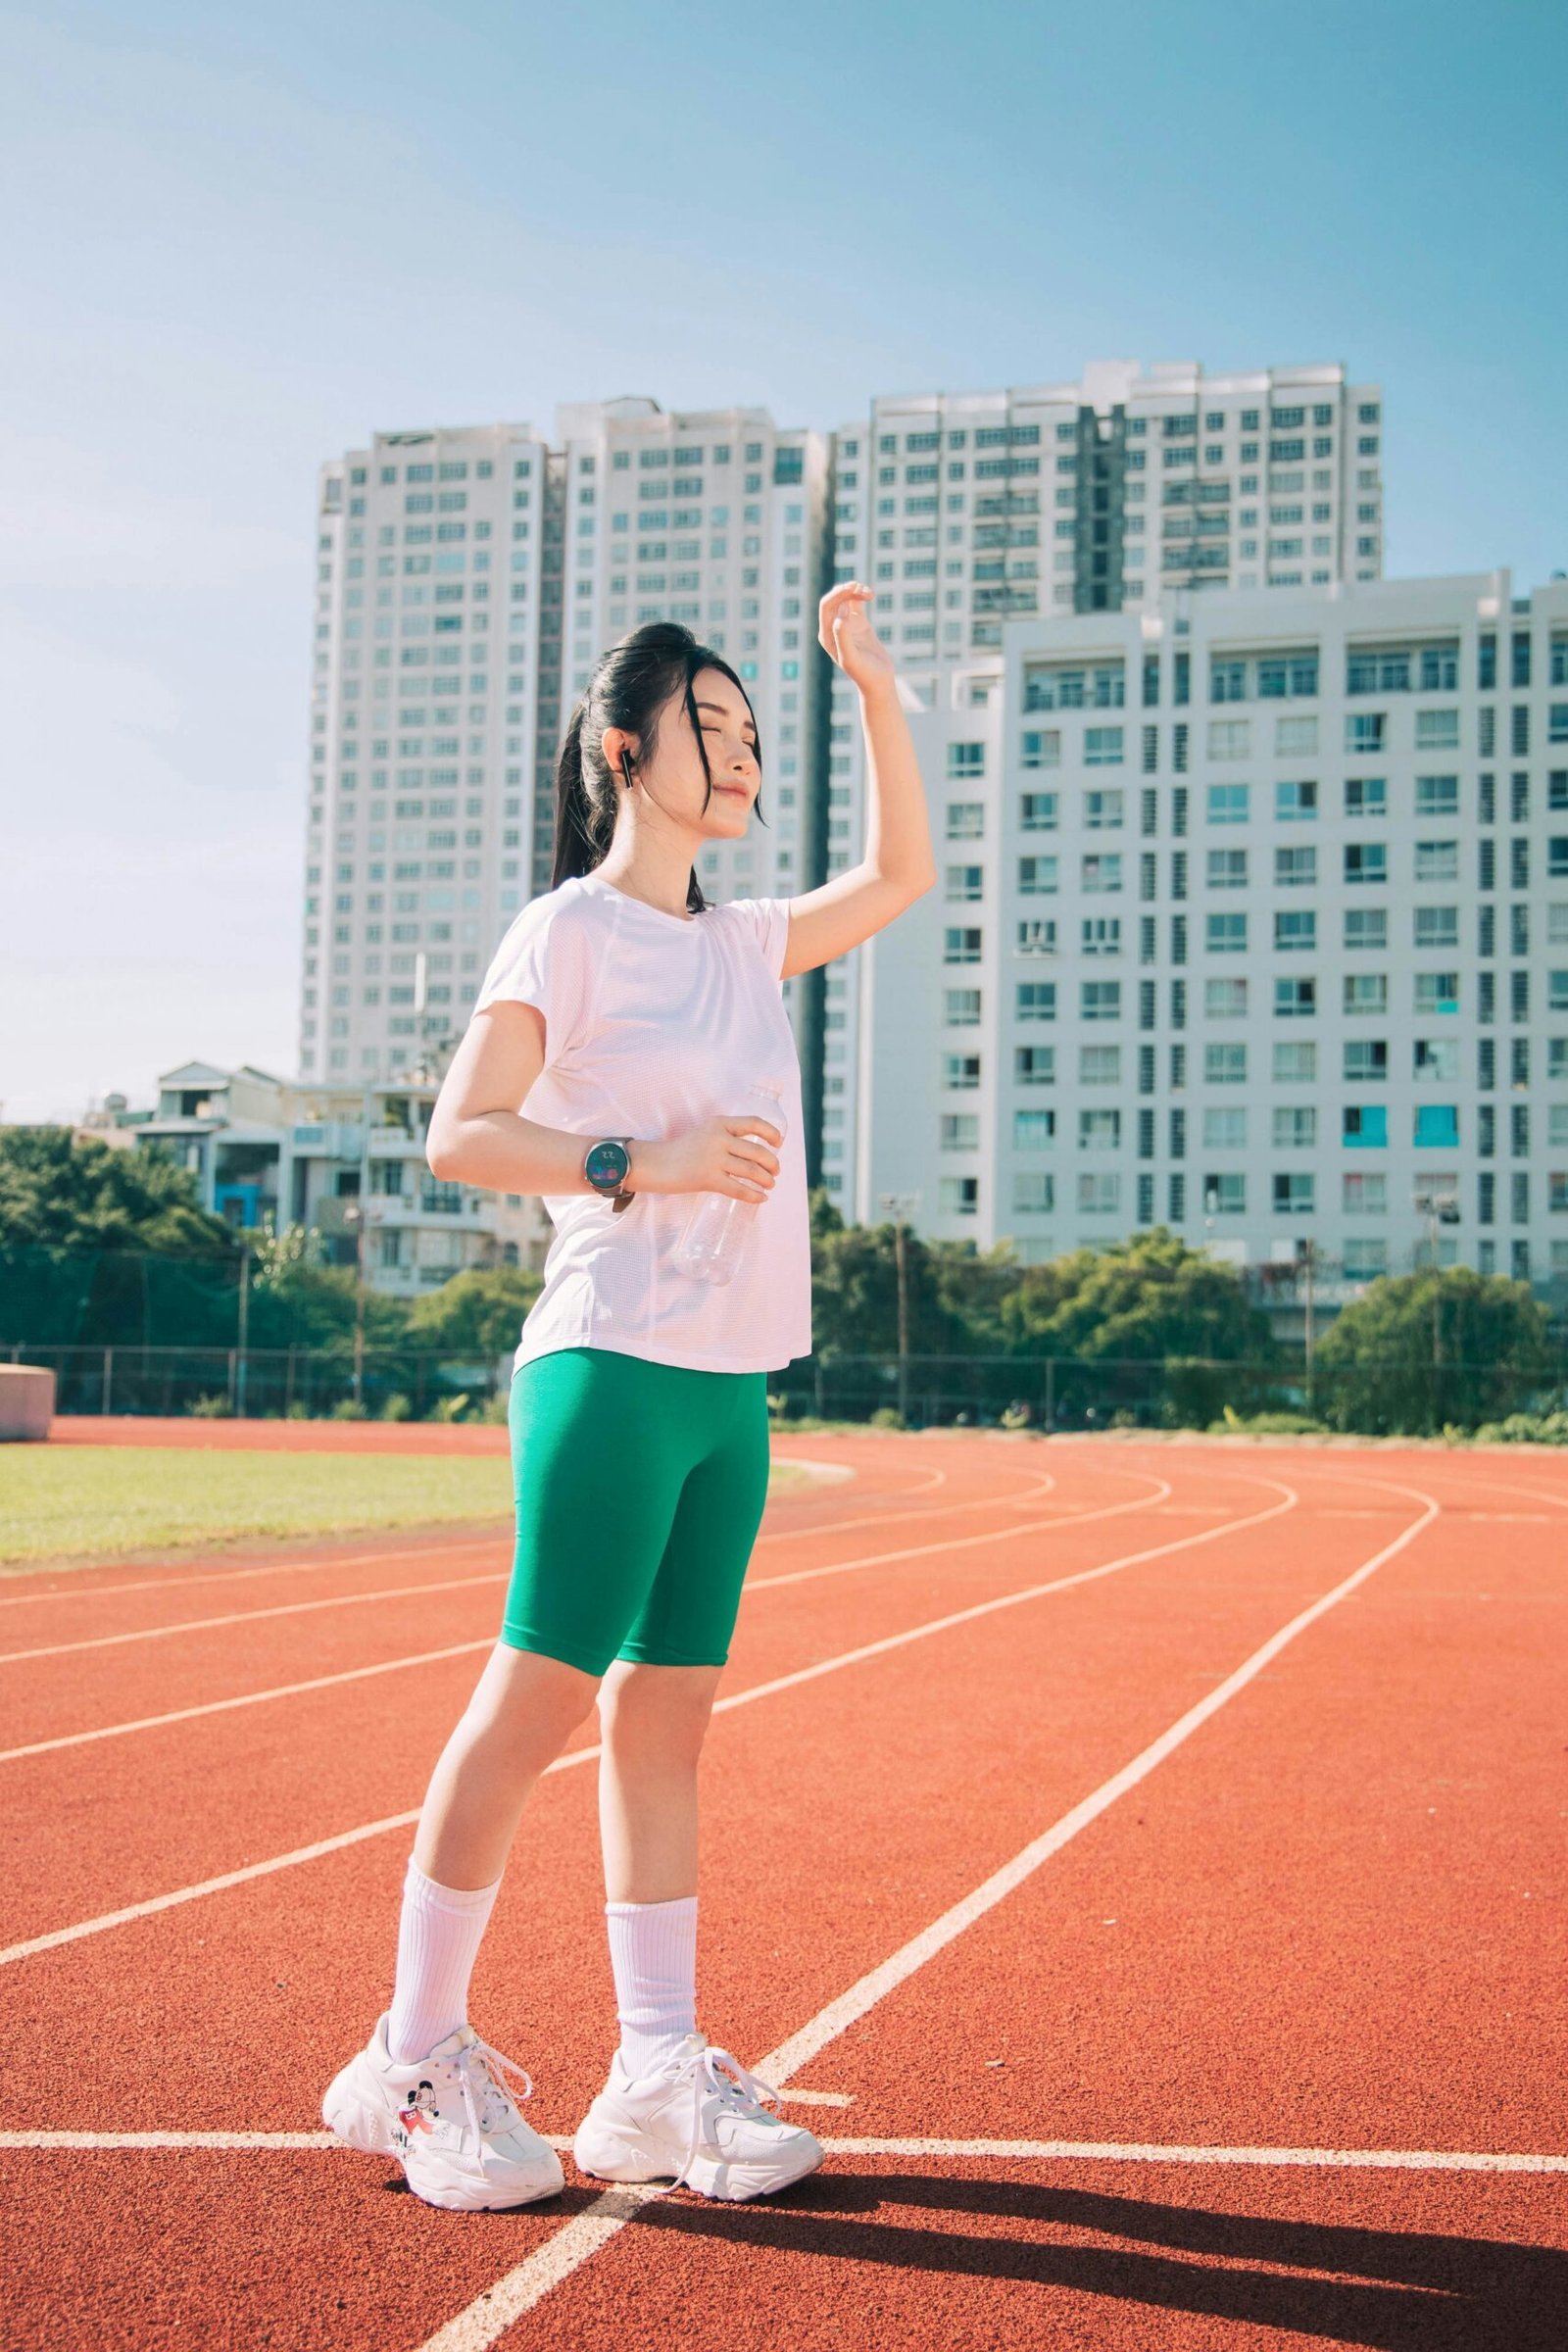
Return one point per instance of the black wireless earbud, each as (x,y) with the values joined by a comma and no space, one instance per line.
(625,765)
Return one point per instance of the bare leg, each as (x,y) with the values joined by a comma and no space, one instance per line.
(523,1711)
(653,1719)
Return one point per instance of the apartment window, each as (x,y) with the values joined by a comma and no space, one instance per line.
(1364,1195)
(1366,992)
(1036,1001)
(1437,1126)
(1437,928)
(1366,861)
(1295,800)
(1365,928)
(1364,1126)
(1436,992)
(1228,804)
(1294,999)
(1225,934)
(1437,861)
(1228,738)
(1366,796)
(1364,732)
(1041,747)
(1103,747)
(1437,1058)
(1032,1130)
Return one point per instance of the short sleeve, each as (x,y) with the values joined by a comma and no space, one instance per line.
(542,962)
(769,922)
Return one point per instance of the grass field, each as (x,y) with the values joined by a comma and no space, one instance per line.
(91,1503)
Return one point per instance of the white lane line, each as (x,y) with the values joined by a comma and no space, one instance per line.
(801,2047)
(247,1698)
(1110,1510)
(477,2327)
(284,1608)
(351,1674)
(1033,2151)
(740,1698)
(80,1589)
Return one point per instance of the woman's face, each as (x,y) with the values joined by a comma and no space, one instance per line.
(674,779)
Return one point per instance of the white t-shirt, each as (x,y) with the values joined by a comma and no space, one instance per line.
(653,1023)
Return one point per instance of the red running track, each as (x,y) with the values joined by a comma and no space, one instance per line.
(1175,1953)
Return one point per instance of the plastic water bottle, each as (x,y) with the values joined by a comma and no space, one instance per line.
(715,1233)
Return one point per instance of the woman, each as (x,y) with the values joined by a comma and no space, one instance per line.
(622,1008)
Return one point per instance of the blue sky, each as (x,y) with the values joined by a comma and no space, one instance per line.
(240,240)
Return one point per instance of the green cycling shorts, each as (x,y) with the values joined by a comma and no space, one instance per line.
(639,1488)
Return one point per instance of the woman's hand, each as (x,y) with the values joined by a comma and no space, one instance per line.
(844,631)
(720,1156)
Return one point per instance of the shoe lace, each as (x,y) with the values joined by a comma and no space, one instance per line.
(715,2070)
(488,2111)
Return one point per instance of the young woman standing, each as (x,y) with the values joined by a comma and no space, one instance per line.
(626,1013)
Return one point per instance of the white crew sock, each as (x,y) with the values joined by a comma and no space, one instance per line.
(653,1954)
(438,1938)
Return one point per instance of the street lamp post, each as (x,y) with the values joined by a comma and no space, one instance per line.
(357,1214)
(901,1205)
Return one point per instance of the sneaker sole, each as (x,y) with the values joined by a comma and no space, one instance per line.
(608,2155)
(363,2124)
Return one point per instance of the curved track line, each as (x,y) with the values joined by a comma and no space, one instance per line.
(490,2314)
(740,1698)
(454,1584)
(355,1674)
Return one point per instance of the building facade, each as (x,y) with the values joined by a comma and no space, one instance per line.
(269,1153)
(467,579)
(1253,921)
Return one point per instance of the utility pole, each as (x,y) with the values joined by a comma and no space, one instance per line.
(359,1217)
(243,1331)
(901,1205)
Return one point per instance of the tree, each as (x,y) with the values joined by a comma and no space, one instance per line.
(1149,1298)
(1442,1344)
(477,1313)
(55,1194)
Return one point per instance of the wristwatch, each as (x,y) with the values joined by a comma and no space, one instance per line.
(607,1167)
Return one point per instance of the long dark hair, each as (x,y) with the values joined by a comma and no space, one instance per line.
(631,686)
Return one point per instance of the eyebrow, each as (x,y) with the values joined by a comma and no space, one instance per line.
(723,714)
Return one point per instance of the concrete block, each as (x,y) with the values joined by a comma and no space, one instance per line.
(26,1401)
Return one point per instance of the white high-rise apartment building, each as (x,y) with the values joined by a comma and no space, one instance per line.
(965,510)
(1252,921)
(466,581)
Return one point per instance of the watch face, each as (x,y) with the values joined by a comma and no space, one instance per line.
(606,1164)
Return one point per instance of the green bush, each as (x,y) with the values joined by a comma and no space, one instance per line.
(450,1408)
(1525,1429)
(397,1407)
(346,1409)
(887,1416)
(209,1408)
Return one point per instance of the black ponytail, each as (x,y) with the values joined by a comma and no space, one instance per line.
(630,688)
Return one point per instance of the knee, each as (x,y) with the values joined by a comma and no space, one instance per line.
(524,1701)
(655,1710)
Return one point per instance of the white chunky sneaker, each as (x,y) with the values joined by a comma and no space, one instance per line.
(700,2116)
(448,2118)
